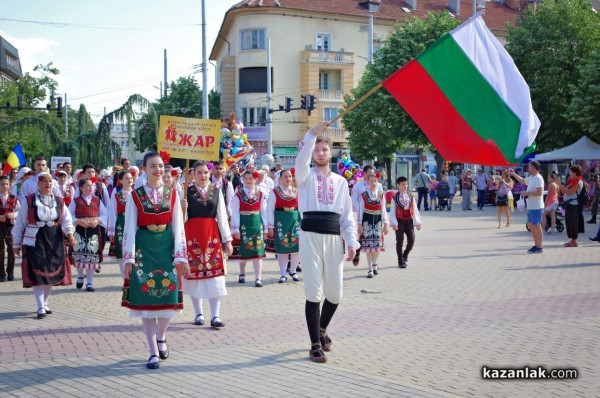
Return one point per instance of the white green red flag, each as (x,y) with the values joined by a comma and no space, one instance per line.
(467,95)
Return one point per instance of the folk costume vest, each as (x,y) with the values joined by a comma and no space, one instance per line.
(401,212)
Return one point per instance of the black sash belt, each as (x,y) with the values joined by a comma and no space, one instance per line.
(321,222)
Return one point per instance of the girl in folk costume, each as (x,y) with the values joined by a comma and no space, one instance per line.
(39,229)
(248,220)
(116,213)
(154,254)
(283,223)
(372,223)
(206,229)
(89,215)
(64,188)
(9,208)
(404,217)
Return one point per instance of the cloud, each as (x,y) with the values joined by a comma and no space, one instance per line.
(32,50)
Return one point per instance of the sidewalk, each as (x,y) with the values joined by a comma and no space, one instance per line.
(471,296)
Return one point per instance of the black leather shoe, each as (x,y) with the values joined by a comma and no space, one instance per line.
(48,310)
(199,320)
(258,283)
(40,314)
(401,264)
(595,239)
(2,279)
(11,277)
(163,354)
(89,287)
(242,278)
(153,365)
(79,283)
(216,323)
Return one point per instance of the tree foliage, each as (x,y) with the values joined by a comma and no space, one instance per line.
(379,126)
(550,43)
(584,108)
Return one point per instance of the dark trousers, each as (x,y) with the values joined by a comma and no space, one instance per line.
(580,219)
(572,221)
(6,244)
(422,195)
(480,198)
(405,227)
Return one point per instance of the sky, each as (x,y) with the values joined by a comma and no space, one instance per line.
(108,50)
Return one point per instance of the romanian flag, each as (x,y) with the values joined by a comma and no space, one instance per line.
(15,159)
(468,97)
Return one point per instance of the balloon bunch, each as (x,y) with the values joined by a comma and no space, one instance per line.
(233,139)
(350,170)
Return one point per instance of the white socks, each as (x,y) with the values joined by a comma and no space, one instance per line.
(215,306)
(38,292)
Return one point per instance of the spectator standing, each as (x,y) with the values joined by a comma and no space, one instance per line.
(551,204)
(595,198)
(481,181)
(571,204)
(503,187)
(466,184)
(432,186)
(421,183)
(453,182)
(535,203)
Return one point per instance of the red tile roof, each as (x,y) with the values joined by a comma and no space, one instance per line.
(496,15)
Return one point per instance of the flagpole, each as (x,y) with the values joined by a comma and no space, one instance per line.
(355,104)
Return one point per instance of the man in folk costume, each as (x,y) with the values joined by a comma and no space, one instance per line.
(372,222)
(206,230)
(326,210)
(39,230)
(283,224)
(248,226)
(155,255)
(89,217)
(404,217)
(9,208)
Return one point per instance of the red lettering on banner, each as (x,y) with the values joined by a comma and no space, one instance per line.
(199,141)
(184,139)
(210,140)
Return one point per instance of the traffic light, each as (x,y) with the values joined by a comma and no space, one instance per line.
(288,104)
(311,103)
(303,102)
(59,112)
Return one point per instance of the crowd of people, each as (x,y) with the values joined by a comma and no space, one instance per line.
(173,234)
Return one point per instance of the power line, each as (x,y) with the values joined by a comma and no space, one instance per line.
(97,26)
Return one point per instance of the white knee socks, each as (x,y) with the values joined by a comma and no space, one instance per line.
(215,306)
(38,292)
(197,303)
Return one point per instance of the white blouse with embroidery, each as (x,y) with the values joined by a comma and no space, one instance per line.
(112,210)
(235,207)
(102,216)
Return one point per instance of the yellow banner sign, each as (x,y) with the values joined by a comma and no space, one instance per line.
(186,138)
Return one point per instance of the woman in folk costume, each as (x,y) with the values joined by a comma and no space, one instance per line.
(248,223)
(154,254)
(372,223)
(89,215)
(39,230)
(206,228)
(116,213)
(65,189)
(283,223)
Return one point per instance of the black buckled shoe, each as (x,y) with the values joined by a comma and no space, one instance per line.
(216,322)
(165,353)
(153,365)
(199,320)
(79,283)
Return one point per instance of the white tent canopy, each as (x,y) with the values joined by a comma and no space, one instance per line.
(584,149)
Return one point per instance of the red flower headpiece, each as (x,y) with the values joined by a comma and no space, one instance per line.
(293,171)
(255,175)
(164,155)
(133,172)
(93,179)
(378,175)
(174,173)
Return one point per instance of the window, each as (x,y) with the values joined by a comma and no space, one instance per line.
(12,61)
(323,81)
(253,39)
(330,113)
(254,116)
(254,80)
(323,42)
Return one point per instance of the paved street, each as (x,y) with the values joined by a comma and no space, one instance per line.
(470,297)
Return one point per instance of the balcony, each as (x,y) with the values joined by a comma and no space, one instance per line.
(336,134)
(328,57)
(331,95)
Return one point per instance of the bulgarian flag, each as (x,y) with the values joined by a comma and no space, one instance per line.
(468,97)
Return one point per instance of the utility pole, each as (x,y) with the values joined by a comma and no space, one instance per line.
(204,67)
(165,74)
(370,58)
(269,115)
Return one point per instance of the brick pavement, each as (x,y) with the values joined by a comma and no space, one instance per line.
(471,296)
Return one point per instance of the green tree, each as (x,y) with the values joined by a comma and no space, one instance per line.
(547,46)
(584,108)
(379,127)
